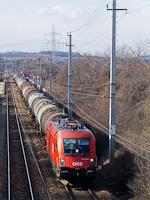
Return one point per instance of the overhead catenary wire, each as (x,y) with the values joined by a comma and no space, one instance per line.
(108,129)
(79,98)
(106,132)
(88,96)
(89,116)
(89,87)
(131,149)
(94,14)
(83,94)
(92,17)
(116,134)
(90,92)
(141,8)
(146,150)
(83,111)
(92,95)
(107,30)
(78,43)
(86,86)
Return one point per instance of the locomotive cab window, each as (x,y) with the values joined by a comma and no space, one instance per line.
(77,147)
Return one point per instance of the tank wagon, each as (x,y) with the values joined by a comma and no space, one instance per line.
(71,146)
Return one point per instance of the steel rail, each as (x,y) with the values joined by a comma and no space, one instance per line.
(8,147)
(22,146)
(71,194)
(38,168)
(92,194)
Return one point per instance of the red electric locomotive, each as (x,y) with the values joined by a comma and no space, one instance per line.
(71,148)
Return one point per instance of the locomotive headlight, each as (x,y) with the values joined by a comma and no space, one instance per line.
(77,150)
(91,161)
(62,162)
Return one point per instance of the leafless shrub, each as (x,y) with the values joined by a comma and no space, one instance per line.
(140,185)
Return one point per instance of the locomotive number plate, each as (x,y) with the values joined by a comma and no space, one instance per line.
(77,164)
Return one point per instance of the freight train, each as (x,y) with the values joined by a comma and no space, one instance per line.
(71,146)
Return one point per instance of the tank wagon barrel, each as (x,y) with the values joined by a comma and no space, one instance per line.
(35,103)
(71,146)
(41,103)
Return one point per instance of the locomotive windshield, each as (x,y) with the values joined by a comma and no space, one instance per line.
(77,147)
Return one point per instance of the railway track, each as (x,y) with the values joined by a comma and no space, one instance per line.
(25,180)
(19,181)
(79,192)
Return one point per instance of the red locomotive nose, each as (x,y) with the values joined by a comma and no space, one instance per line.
(72,148)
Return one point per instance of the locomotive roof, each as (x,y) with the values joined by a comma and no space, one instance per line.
(38,77)
(68,124)
(25,72)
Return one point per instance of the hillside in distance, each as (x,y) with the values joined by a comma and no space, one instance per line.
(16,55)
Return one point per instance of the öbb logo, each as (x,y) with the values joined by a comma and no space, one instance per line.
(77,164)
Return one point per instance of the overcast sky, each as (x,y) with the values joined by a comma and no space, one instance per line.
(24,23)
